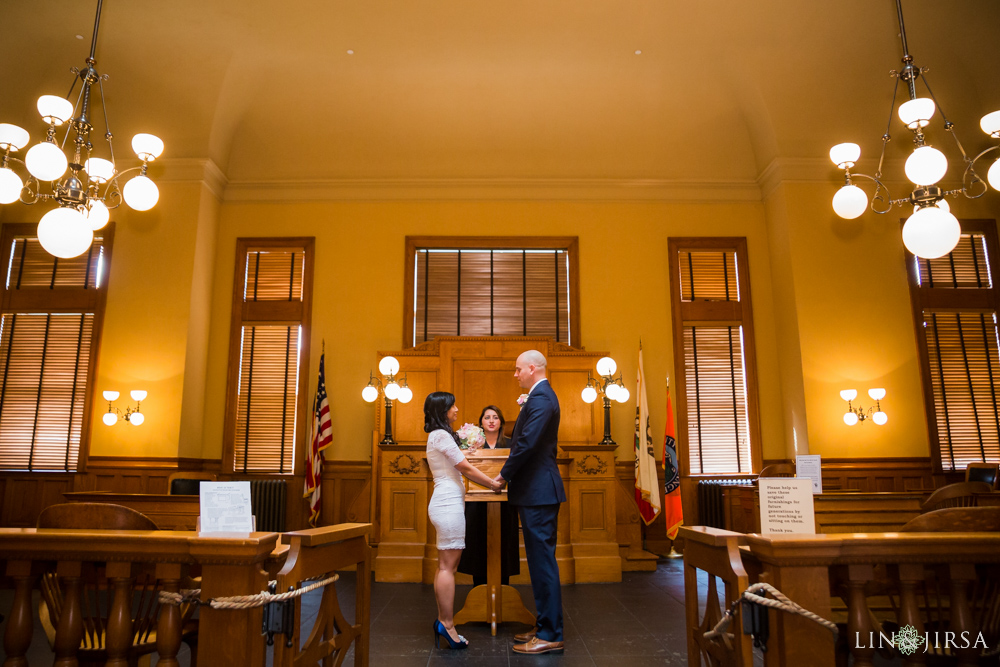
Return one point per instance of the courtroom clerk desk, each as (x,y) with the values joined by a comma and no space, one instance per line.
(167,512)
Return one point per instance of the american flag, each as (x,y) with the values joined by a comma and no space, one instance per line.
(322,438)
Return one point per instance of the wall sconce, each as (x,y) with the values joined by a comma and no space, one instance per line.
(392,390)
(610,387)
(859,414)
(132,415)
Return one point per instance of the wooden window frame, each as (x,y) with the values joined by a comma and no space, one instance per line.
(951,300)
(57,302)
(243,312)
(716,313)
(568,243)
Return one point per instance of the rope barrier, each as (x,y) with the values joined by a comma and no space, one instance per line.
(193,595)
(780,602)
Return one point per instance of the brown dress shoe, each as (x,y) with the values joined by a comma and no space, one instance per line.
(536,646)
(525,637)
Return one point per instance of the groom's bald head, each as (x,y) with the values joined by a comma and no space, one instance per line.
(529,368)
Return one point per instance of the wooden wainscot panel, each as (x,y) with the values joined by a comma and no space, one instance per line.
(592,497)
(629,526)
(346,493)
(405,529)
(26,496)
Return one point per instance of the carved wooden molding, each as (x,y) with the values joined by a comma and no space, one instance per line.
(584,465)
(405,464)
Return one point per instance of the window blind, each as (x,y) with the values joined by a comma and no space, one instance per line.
(713,317)
(45,353)
(955,310)
(273,291)
(491,292)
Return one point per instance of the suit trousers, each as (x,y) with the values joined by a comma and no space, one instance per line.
(539,524)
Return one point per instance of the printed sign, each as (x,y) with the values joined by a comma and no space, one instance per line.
(810,465)
(225,508)
(786,506)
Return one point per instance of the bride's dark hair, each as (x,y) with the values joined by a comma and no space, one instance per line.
(436,407)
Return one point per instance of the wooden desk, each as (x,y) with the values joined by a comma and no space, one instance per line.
(168,512)
(493,602)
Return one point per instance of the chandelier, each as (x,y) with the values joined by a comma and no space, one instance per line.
(931,231)
(69,171)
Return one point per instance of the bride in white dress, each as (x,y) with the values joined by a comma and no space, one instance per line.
(447,506)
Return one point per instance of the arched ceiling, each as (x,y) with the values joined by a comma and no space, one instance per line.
(513,89)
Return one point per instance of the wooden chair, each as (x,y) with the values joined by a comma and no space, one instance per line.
(186,483)
(92,651)
(983,472)
(962,494)
(778,470)
(955,520)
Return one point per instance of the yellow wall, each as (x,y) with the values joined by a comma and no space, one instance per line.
(830,302)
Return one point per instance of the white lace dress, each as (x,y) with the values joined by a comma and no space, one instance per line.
(447,506)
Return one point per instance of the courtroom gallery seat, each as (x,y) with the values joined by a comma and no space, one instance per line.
(106,516)
(962,494)
(188,483)
(983,472)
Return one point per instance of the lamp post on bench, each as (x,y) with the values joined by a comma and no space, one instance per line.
(389,387)
(609,387)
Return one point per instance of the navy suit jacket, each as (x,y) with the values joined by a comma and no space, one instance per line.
(531,472)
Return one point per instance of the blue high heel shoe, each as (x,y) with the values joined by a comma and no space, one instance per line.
(441,631)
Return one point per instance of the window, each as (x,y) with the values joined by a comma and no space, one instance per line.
(714,352)
(266,418)
(50,328)
(468,286)
(955,305)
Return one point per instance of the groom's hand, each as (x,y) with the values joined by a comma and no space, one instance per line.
(498,483)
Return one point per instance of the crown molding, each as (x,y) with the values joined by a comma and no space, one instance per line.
(583,189)
(821,170)
(191,170)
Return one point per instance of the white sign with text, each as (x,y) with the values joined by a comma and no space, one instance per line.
(811,466)
(225,508)
(786,506)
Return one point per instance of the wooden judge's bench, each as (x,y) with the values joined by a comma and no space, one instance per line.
(480,372)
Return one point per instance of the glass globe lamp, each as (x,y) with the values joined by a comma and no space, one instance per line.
(111,395)
(141,193)
(369,393)
(926,166)
(147,146)
(990,124)
(880,418)
(65,233)
(110,418)
(54,110)
(136,419)
(13,137)
(849,394)
(845,155)
(97,214)
(916,113)
(392,391)
(850,418)
(45,161)
(606,366)
(931,233)
(993,175)
(388,366)
(611,391)
(589,394)
(138,395)
(10,186)
(877,394)
(850,202)
(622,395)
(405,394)
(99,169)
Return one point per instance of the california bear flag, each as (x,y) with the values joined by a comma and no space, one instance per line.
(647,492)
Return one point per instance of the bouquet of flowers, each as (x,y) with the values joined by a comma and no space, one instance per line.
(472,437)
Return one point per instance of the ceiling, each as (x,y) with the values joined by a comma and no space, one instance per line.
(512,89)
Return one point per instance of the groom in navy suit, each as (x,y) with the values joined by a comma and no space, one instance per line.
(536,489)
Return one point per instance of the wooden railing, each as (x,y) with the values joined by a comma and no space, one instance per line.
(227,567)
(936,583)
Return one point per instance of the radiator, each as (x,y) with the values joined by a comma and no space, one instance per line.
(711,500)
(267,501)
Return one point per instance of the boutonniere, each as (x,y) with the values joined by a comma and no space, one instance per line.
(521,399)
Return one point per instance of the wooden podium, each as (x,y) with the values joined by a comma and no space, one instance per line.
(492,603)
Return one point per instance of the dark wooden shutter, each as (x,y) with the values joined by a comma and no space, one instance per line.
(49,330)
(273,291)
(717,407)
(491,292)
(955,312)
